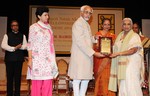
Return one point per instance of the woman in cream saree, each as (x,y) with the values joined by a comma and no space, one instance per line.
(127,68)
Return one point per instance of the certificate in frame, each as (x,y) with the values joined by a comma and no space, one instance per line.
(105,45)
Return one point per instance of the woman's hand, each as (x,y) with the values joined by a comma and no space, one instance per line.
(98,54)
(114,55)
(30,63)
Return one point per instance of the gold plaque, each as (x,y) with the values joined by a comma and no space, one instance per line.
(105,45)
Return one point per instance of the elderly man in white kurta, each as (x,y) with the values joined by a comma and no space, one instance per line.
(81,62)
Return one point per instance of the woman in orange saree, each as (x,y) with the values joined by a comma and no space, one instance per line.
(136,28)
(102,65)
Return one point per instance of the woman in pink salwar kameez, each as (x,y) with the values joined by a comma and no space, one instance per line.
(41,55)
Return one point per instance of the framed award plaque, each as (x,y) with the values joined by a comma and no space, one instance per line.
(105,45)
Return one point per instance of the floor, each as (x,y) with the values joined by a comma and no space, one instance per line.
(62,93)
(24,91)
(54,94)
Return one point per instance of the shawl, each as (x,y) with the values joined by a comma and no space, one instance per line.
(47,26)
(118,66)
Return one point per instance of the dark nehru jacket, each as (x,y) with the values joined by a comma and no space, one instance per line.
(13,40)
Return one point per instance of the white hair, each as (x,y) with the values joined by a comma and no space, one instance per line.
(129,20)
(84,6)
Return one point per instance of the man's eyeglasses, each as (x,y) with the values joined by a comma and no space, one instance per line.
(14,25)
(87,12)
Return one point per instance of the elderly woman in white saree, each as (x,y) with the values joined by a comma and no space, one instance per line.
(127,68)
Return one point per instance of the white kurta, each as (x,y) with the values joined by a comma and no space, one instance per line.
(81,61)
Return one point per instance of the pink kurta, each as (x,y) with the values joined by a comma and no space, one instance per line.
(40,42)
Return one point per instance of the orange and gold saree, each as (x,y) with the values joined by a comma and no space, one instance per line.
(102,71)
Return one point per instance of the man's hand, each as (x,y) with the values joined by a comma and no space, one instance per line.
(18,46)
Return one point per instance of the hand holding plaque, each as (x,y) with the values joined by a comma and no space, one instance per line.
(105,45)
